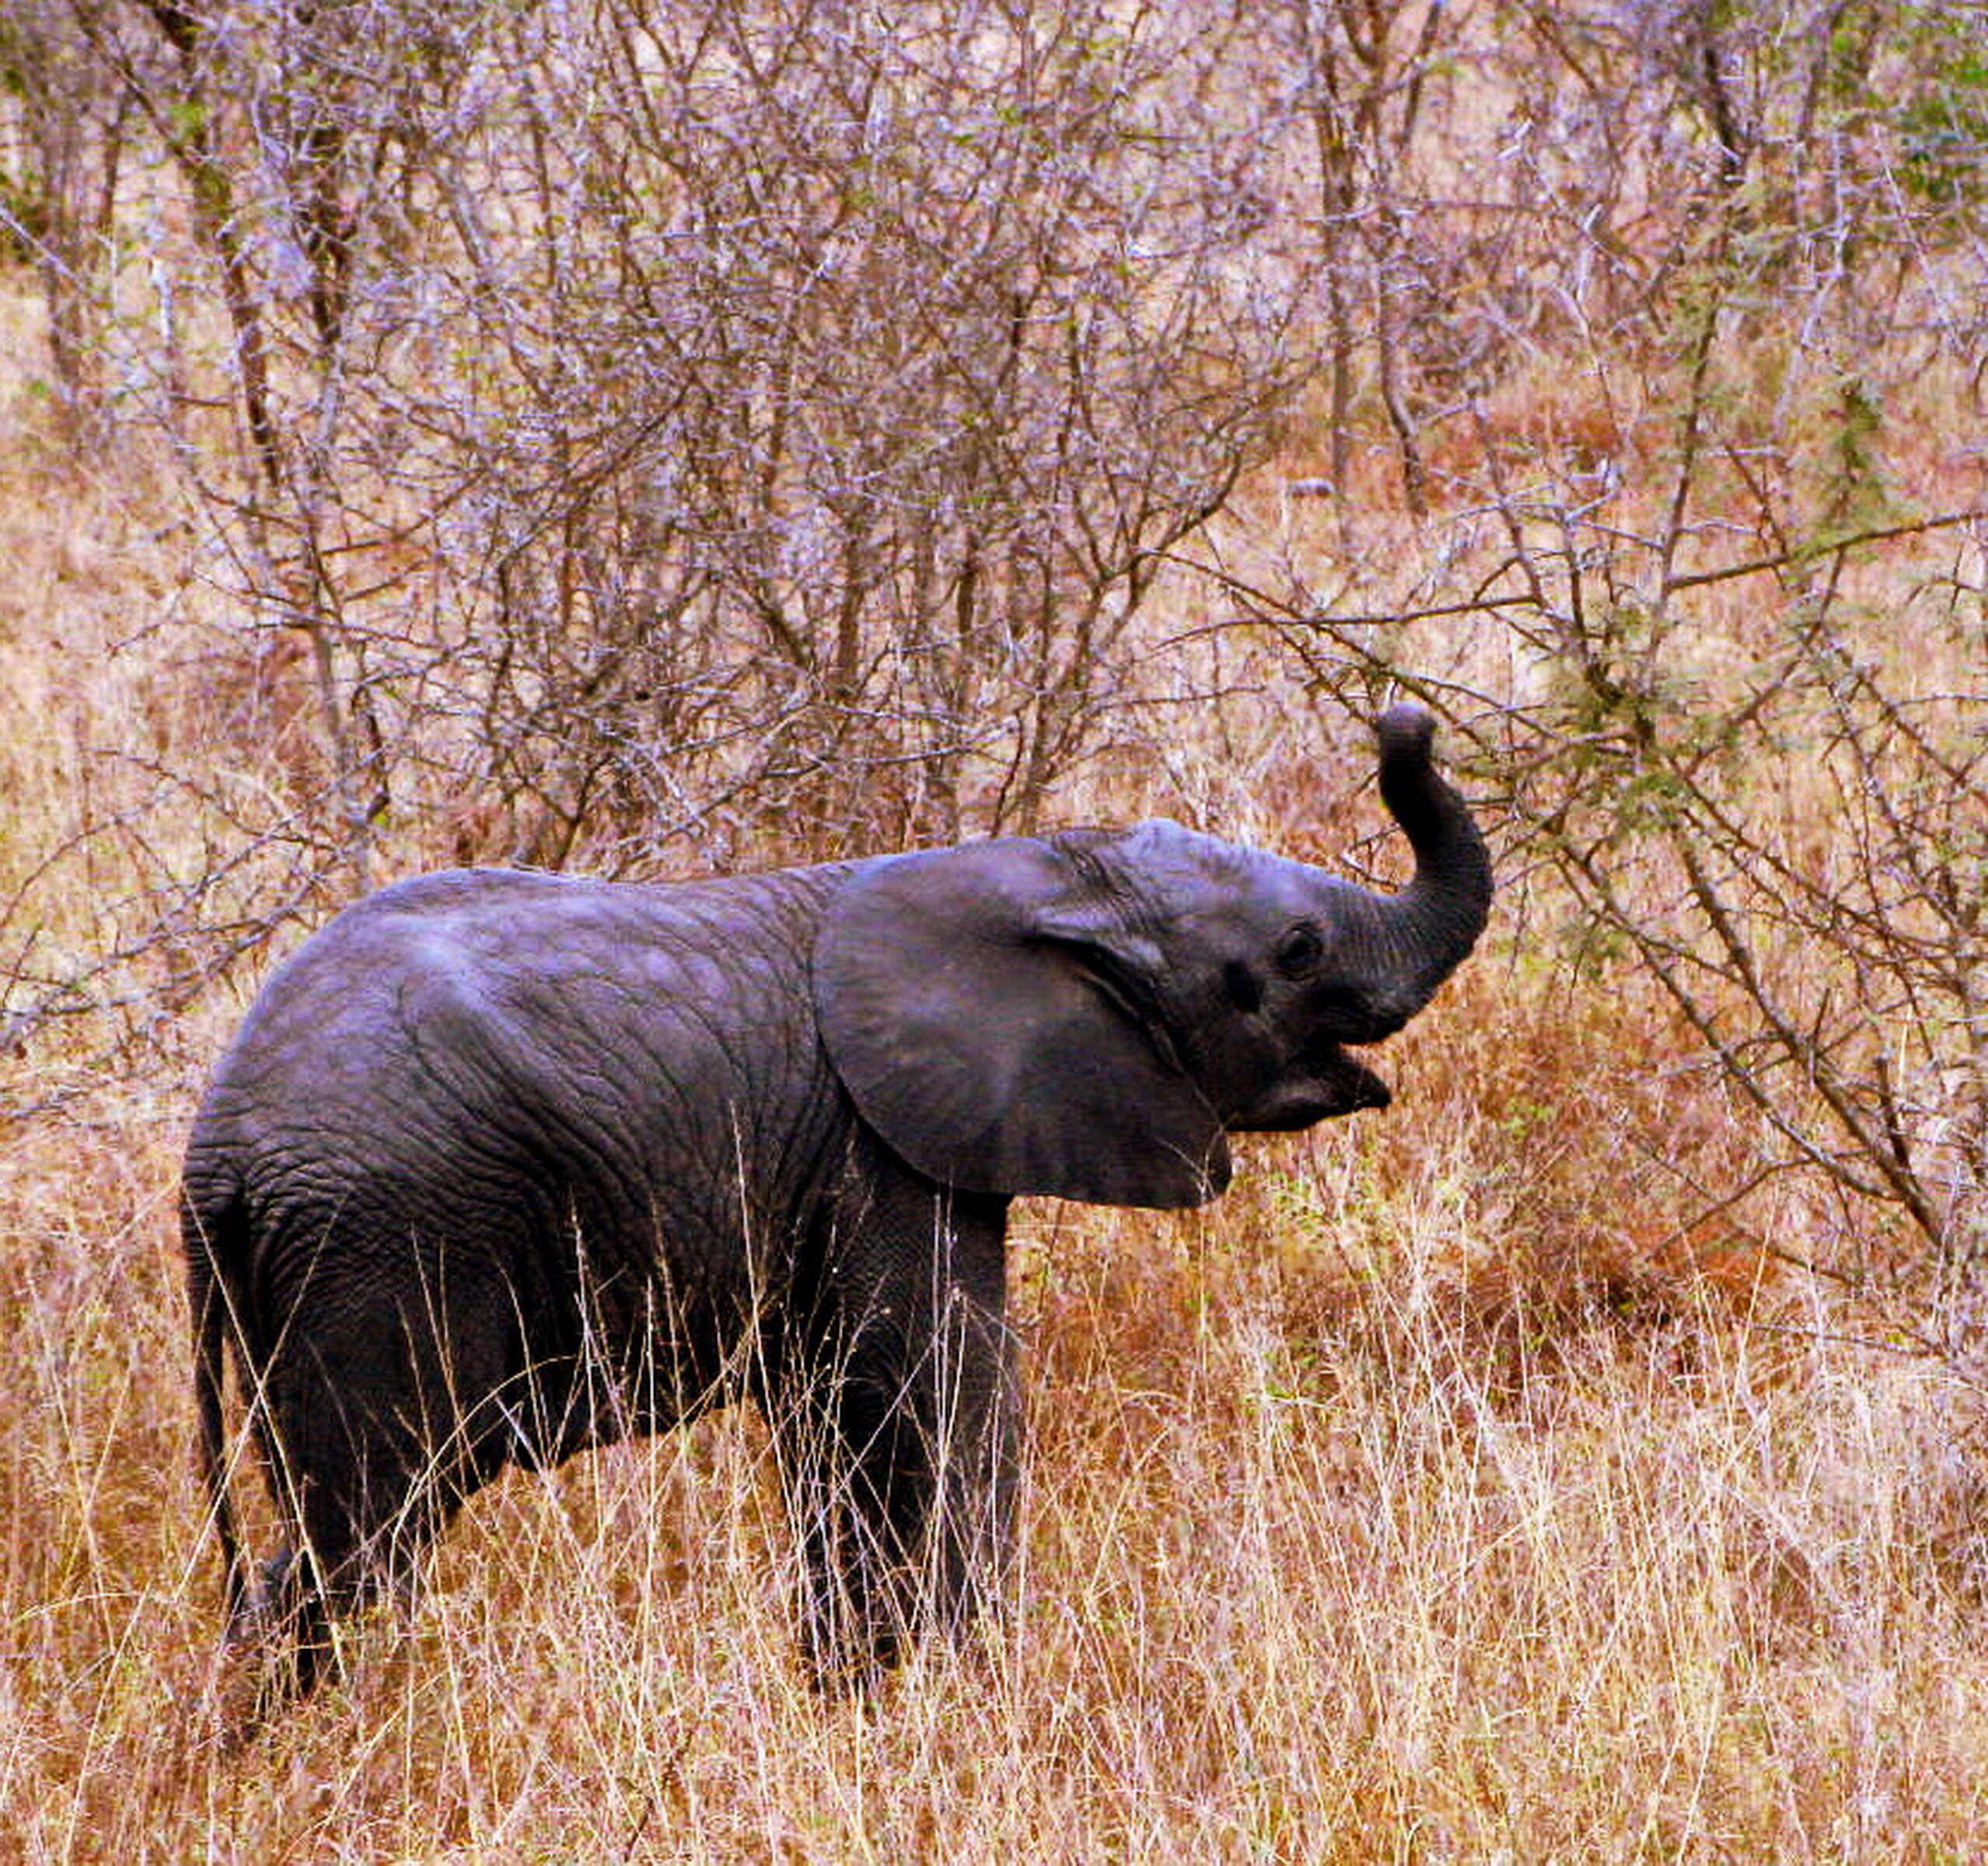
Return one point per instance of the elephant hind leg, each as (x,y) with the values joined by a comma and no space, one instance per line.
(359,1529)
(285,1629)
(285,1624)
(366,1430)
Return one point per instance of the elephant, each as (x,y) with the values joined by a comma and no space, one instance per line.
(502,1164)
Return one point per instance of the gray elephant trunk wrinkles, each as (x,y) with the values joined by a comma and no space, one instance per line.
(500,1166)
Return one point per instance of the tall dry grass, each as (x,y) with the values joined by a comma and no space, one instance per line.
(1341,1541)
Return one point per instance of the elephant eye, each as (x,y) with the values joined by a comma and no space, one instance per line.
(1299,952)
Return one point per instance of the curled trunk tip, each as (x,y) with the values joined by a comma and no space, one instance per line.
(1436,919)
(1406,731)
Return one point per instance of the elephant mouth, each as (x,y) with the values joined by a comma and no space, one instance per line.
(1327,1082)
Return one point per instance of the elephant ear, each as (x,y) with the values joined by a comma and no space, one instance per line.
(995,1026)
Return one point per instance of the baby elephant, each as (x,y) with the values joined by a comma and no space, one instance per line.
(501,1166)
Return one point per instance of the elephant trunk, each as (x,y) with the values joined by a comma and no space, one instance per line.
(1421,934)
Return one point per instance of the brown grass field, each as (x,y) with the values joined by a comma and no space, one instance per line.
(1439,1494)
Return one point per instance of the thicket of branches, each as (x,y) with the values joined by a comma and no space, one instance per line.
(620,428)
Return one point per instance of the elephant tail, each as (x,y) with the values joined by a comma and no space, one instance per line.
(209,1228)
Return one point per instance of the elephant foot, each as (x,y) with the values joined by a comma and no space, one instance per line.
(278,1645)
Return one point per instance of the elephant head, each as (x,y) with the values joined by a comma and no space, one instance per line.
(1089,1014)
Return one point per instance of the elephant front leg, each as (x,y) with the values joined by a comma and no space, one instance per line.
(898,1431)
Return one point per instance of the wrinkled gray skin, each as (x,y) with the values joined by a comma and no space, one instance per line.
(502,1166)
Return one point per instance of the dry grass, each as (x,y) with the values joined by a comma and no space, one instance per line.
(1443,1493)
(1318,1564)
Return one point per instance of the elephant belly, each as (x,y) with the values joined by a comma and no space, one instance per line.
(522,1330)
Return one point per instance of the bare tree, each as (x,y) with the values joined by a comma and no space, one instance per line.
(1732,770)
(64,147)
(839,380)
(761,422)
